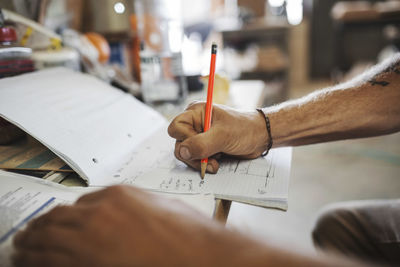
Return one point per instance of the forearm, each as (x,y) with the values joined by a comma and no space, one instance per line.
(367,106)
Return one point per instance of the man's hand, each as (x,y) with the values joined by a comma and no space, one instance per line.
(240,134)
(124,226)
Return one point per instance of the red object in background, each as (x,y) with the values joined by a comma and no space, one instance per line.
(8,34)
(12,67)
(10,64)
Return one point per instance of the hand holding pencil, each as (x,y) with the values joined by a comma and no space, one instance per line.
(233,133)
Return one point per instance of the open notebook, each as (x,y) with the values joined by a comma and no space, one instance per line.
(109,137)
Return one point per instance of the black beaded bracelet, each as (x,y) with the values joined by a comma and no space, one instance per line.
(268,124)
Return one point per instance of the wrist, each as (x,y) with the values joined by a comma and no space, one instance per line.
(268,130)
(281,125)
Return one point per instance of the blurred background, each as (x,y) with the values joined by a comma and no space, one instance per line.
(288,44)
(159,51)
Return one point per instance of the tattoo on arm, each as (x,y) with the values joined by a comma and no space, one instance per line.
(375,82)
(395,68)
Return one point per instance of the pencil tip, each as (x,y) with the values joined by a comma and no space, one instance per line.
(203,169)
(214,48)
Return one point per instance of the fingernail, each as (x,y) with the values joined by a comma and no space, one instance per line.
(210,168)
(184,152)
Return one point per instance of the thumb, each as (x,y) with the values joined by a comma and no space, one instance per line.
(202,145)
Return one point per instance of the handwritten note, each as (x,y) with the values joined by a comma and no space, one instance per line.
(263,181)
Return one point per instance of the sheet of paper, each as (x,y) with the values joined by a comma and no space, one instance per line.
(23,198)
(263,181)
(88,123)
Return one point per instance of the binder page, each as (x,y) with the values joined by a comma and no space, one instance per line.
(85,121)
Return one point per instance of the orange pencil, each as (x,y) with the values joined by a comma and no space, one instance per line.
(208,115)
